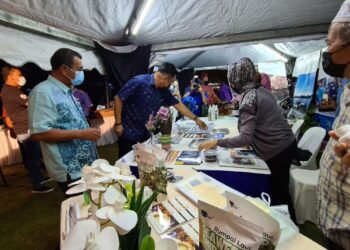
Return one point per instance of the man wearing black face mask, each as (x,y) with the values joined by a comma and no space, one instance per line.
(333,194)
(56,119)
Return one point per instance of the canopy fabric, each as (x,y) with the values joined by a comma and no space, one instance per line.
(18,47)
(176,21)
(170,21)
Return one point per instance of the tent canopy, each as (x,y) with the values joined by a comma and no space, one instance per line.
(174,25)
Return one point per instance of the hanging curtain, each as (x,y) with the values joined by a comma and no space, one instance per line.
(123,66)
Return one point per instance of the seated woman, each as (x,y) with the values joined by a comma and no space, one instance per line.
(262,126)
(195,98)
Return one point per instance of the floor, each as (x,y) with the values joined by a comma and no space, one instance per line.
(31,221)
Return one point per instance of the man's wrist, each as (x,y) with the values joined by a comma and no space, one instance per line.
(117,123)
(195,118)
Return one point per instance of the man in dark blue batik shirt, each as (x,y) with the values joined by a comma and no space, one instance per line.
(140,97)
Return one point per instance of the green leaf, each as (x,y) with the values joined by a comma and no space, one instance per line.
(147,243)
(132,202)
(144,230)
(145,206)
(139,198)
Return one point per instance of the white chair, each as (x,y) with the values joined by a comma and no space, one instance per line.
(296,127)
(302,189)
(311,141)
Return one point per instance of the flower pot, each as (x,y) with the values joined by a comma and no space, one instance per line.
(165,127)
(165,141)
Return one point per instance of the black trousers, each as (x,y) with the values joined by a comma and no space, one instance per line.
(125,145)
(279,166)
(64,185)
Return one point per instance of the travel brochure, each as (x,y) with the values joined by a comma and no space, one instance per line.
(203,187)
(189,157)
(243,153)
(186,235)
(243,163)
(167,215)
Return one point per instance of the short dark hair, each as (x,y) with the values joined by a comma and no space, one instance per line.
(5,71)
(168,68)
(63,56)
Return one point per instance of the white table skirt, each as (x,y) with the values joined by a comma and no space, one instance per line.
(9,149)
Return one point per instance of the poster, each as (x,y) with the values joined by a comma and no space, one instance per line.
(305,69)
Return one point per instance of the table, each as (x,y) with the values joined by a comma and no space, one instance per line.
(9,149)
(104,120)
(299,242)
(251,182)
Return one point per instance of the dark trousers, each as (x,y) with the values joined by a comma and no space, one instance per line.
(125,145)
(279,166)
(32,158)
(64,185)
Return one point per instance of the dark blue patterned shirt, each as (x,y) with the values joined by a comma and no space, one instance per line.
(140,99)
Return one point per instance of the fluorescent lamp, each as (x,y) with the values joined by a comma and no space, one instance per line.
(274,51)
(139,19)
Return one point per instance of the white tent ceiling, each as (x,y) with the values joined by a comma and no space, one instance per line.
(191,23)
(170,21)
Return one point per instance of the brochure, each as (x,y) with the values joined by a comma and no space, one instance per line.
(202,187)
(243,153)
(171,213)
(189,157)
(186,236)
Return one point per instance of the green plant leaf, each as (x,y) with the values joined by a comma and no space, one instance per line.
(147,243)
(145,206)
(139,198)
(144,230)
(132,201)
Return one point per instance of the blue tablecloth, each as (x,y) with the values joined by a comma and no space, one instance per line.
(248,183)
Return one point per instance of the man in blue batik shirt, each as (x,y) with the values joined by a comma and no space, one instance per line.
(138,98)
(57,120)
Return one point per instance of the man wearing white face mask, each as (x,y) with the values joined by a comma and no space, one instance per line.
(333,194)
(56,119)
(16,104)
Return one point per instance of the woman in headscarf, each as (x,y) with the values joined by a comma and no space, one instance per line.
(262,126)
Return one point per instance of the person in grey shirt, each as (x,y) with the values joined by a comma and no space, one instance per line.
(262,126)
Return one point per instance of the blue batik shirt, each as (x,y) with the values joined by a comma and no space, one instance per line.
(53,106)
(140,99)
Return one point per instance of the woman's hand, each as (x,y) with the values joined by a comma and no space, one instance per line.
(208,145)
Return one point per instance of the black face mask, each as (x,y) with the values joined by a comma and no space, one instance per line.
(331,68)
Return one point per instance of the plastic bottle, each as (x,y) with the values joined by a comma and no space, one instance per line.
(210,117)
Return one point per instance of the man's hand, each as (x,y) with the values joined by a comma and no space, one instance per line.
(341,150)
(208,145)
(90,134)
(119,130)
(201,124)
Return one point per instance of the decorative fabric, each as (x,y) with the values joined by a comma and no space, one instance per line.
(241,75)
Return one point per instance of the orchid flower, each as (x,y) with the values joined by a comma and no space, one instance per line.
(124,219)
(86,235)
(90,180)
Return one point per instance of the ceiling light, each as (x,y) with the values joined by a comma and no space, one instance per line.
(139,19)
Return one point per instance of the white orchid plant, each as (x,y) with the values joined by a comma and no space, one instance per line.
(121,206)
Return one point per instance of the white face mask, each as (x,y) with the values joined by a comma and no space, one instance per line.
(21,81)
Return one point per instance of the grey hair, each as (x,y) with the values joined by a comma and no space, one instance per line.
(342,30)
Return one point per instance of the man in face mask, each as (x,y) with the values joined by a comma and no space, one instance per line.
(16,104)
(57,120)
(333,194)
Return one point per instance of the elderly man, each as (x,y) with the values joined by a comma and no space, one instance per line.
(333,194)
(140,97)
(57,120)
